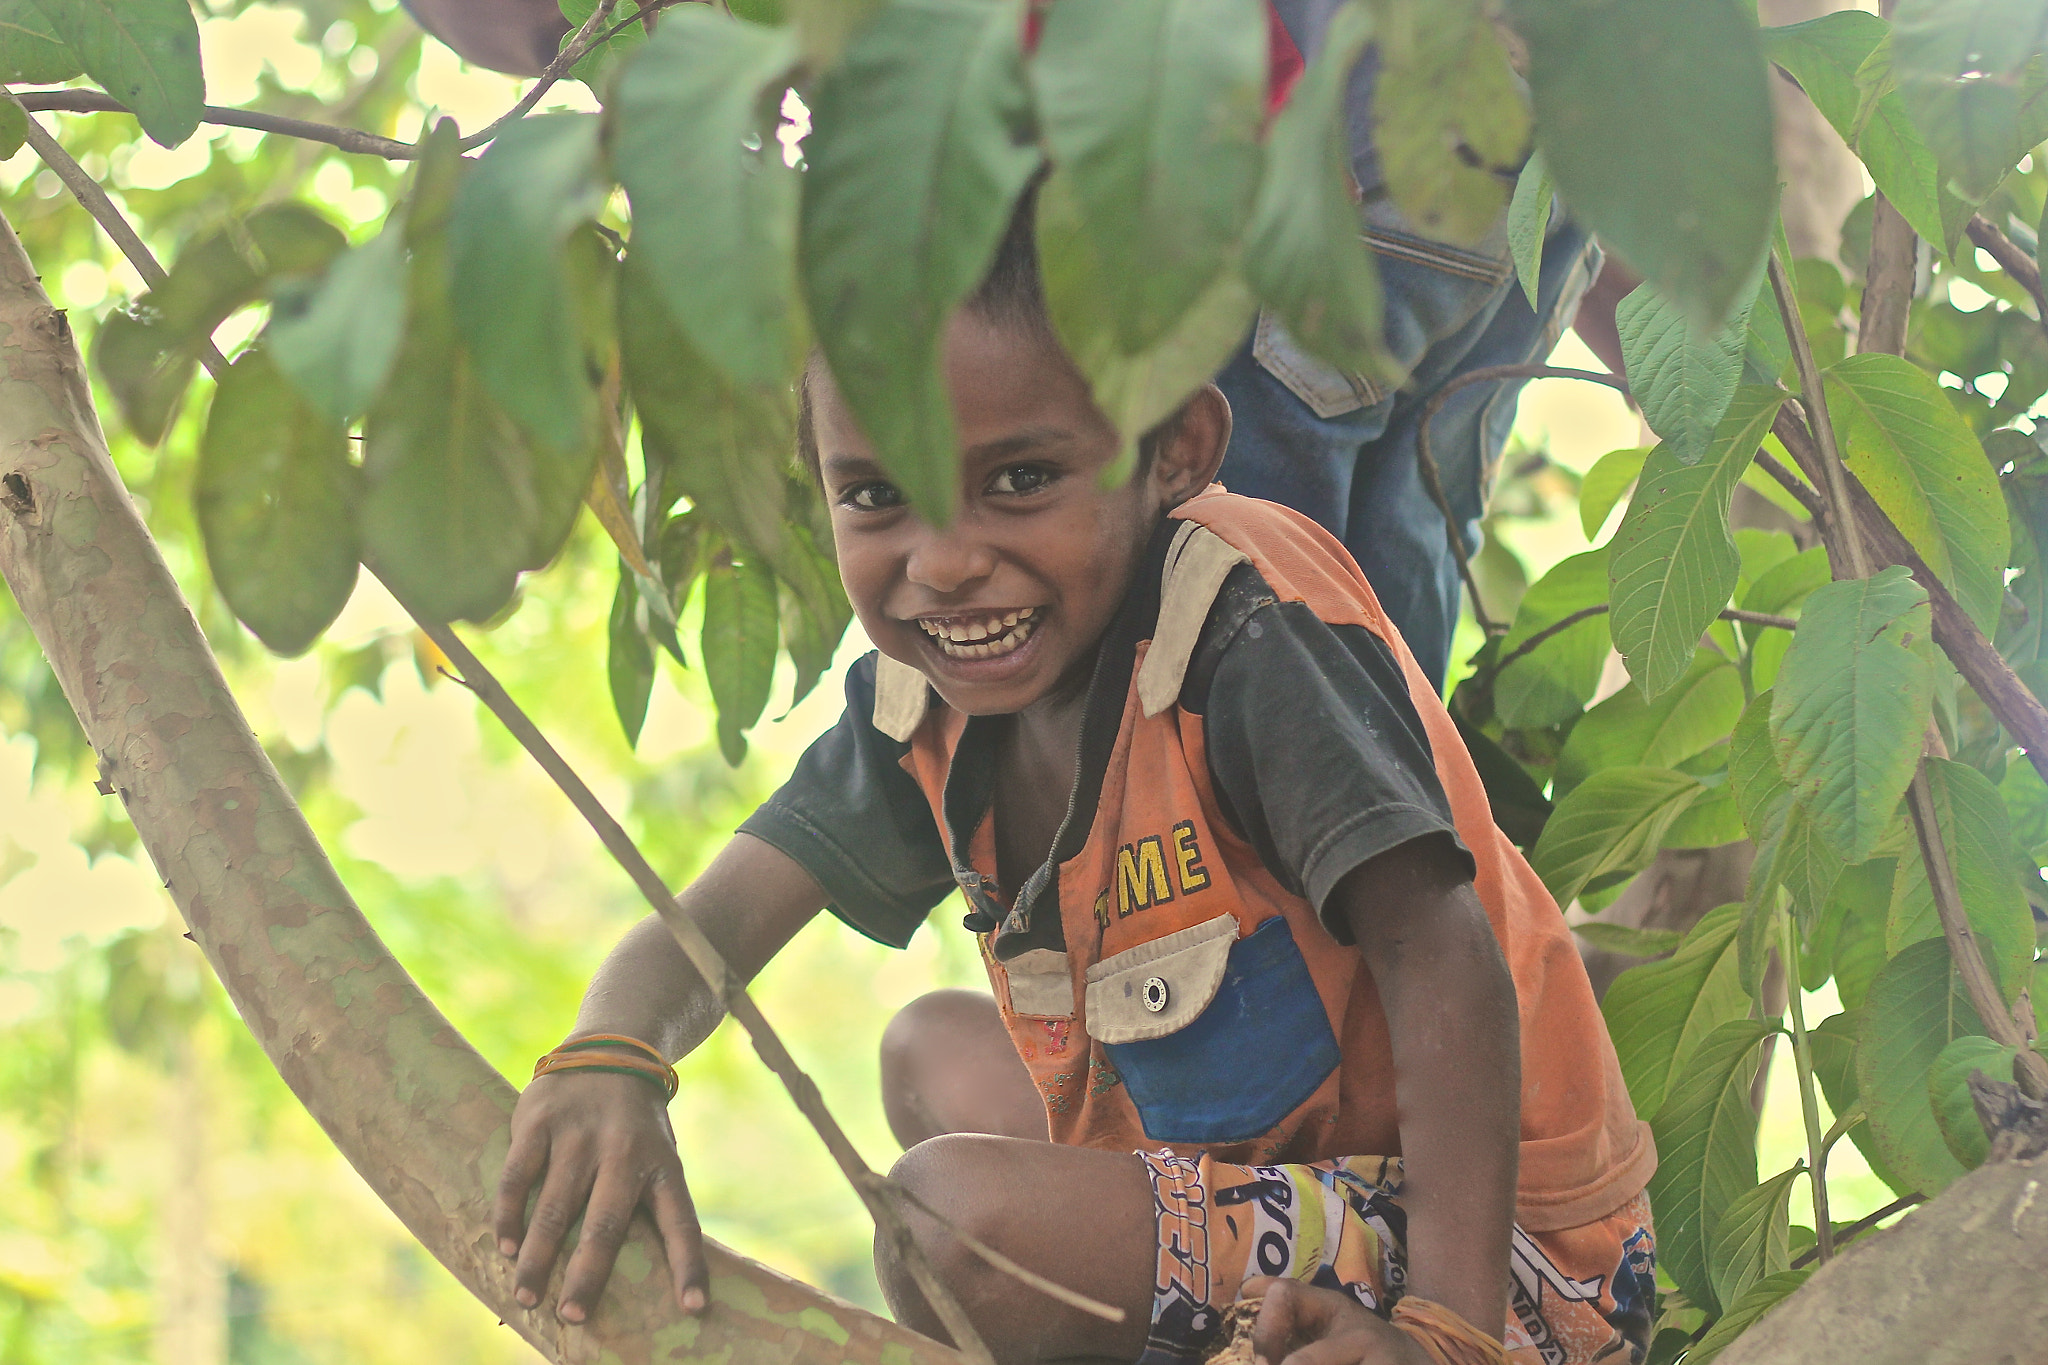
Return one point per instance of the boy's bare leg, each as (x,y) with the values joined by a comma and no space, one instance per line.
(1080,1217)
(948,1066)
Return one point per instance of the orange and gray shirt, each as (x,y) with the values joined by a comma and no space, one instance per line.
(1173,975)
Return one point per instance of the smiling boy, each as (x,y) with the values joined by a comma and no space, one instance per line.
(1284,999)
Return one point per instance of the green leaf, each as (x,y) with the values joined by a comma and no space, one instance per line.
(1916,1007)
(596,66)
(629,660)
(739,641)
(1528,225)
(920,145)
(1605,483)
(1974,75)
(1760,1298)
(1654,118)
(1551,683)
(1850,708)
(1304,255)
(1862,889)
(1706,1151)
(1694,715)
(1682,377)
(335,340)
(145,370)
(1628,940)
(1781,589)
(1152,110)
(1792,854)
(1708,822)
(1660,1012)
(13,128)
(1753,766)
(1517,801)
(1449,117)
(1977,836)
(145,53)
(1673,563)
(714,205)
(1902,437)
(509,277)
(1948,1093)
(1751,1238)
(31,53)
(276,499)
(232,268)
(1610,825)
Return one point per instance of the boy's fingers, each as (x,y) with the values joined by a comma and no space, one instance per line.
(523,1166)
(1295,1314)
(563,1193)
(606,1220)
(675,1214)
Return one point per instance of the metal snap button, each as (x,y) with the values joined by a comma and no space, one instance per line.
(1154,993)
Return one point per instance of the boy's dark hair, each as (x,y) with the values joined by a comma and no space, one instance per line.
(1011,295)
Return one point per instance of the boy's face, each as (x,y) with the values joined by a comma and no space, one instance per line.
(1009,600)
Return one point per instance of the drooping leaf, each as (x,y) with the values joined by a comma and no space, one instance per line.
(1528,224)
(920,145)
(1974,76)
(1753,765)
(31,53)
(740,637)
(1654,119)
(1850,708)
(145,53)
(1751,1238)
(509,274)
(1673,564)
(1627,939)
(1304,255)
(232,268)
(1976,834)
(1552,682)
(1792,854)
(1706,1151)
(1610,825)
(1694,715)
(714,204)
(1862,891)
(1683,378)
(1916,1007)
(1660,1012)
(1449,117)
(13,129)
(276,500)
(629,659)
(1519,806)
(1948,1093)
(145,369)
(1902,437)
(1610,477)
(1760,1298)
(1152,111)
(335,340)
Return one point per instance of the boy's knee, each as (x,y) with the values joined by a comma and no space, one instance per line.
(954,1176)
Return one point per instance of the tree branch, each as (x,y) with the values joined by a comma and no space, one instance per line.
(1888,281)
(2011,260)
(347,139)
(580,42)
(1558,627)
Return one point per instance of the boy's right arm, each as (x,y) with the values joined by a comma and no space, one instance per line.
(599,1145)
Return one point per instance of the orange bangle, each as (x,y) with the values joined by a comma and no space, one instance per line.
(578,1056)
(1447,1338)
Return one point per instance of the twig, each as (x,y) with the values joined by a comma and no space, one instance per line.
(1432,481)
(1832,471)
(1558,627)
(2011,260)
(580,42)
(996,1258)
(1809,1103)
(1793,484)
(1850,1231)
(347,139)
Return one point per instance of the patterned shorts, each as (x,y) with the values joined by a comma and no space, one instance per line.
(1577,1295)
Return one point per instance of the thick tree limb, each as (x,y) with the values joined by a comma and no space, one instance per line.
(2011,260)
(1888,281)
(418,1113)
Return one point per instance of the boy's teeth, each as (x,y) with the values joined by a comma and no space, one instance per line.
(989,638)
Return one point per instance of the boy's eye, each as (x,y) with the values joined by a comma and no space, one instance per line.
(872,497)
(1022,478)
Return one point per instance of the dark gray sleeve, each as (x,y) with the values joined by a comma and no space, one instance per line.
(855,820)
(1316,749)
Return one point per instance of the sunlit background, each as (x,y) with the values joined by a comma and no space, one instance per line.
(162,1196)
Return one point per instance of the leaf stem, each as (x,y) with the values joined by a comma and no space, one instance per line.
(1559,626)
(1814,400)
(1809,1104)
(1862,1225)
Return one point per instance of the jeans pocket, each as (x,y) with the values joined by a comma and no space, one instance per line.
(1328,391)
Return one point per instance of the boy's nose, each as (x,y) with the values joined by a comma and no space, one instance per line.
(949,560)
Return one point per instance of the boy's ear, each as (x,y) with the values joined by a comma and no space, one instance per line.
(1188,459)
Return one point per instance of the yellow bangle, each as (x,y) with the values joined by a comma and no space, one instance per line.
(1447,1338)
(580,1056)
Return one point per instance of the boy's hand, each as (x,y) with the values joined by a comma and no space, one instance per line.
(600,1147)
(1302,1325)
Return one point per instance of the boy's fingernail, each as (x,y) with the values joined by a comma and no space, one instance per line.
(527,1298)
(570,1312)
(693,1300)
(507,1247)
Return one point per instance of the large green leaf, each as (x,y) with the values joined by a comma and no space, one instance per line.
(1916,1007)
(1610,825)
(714,205)
(1706,1152)
(335,340)
(1753,766)
(1792,854)
(1974,74)
(1551,683)
(1684,722)
(1673,563)
(1654,119)
(1903,438)
(145,53)
(1152,110)
(1760,1298)
(276,500)
(921,143)
(1833,1044)
(1449,117)
(510,275)
(1976,834)
(1849,711)
(1948,1093)
(1682,377)
(1751,1238)
(741,626)
(1659,1013)
(1528,226)
(31,53)
(1304,254)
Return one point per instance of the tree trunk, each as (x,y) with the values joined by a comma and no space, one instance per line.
(421,1116)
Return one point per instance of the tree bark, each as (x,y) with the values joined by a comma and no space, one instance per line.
(419,1114)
